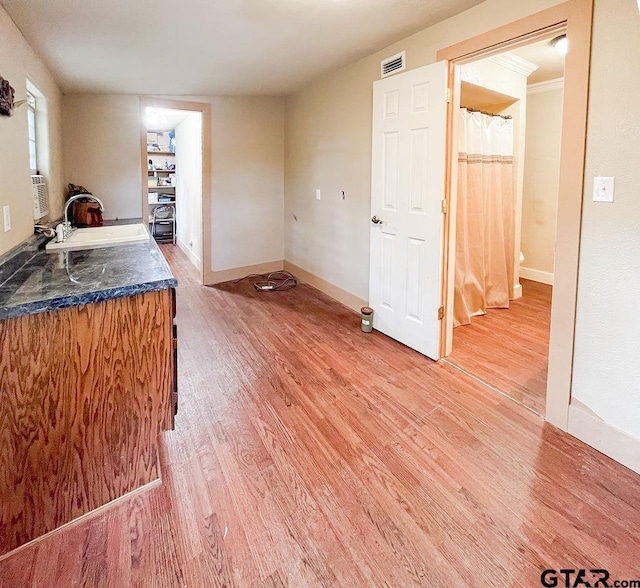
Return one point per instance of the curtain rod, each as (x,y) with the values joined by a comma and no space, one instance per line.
(505,116)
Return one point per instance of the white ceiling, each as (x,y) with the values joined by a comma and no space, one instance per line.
(549,61)
(165,119)
(209,47)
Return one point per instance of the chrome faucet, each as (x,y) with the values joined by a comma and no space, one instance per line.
(64,229)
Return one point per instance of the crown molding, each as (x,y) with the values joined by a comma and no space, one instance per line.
(514,63)
(547,86)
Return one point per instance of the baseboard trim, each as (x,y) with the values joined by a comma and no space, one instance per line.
(85,517)
(220,276)
(517,291)
(193,258)
(536,275)
(614,443)
(343,296)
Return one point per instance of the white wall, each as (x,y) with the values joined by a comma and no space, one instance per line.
(328,146)
(606,375)
(102,150)
(188,161)
(17,63)
(541,177)
(102,145)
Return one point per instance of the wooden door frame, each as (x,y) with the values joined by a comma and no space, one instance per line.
(205,214)
(575,17)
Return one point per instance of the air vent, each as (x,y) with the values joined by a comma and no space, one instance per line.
(392,65)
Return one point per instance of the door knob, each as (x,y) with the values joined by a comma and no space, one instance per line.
(375,220)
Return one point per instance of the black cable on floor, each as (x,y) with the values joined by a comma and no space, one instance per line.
(280,280)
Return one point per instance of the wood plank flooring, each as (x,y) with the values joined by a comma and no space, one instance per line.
(509,348)
(307,453)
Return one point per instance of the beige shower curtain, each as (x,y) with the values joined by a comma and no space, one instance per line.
(485,216)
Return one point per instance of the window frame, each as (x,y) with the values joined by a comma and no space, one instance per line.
(32,131)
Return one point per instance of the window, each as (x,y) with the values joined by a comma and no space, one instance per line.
(31,121)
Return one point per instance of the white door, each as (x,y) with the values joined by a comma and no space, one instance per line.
(407,189)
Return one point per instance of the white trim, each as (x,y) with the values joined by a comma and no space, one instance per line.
(514,63)
(547,86)
(193,258)
(592,430)
(517,291)
(536,275)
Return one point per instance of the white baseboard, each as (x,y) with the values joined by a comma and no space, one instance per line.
(536,275)
(193,258)
(217,277)
(517,291)
(343,296)
(614,443)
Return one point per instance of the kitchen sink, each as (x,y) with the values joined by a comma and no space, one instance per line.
(95,237)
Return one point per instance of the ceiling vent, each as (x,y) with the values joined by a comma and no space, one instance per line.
(392,65)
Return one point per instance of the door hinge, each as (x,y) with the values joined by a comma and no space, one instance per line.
(441,313)
(444,207)
(449,95)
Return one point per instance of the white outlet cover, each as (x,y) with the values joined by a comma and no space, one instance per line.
(603,189)
(6,209)
(318,194)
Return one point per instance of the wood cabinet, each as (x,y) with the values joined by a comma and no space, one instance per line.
(86,392)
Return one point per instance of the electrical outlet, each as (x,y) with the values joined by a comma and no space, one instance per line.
(318,194)
(7,217)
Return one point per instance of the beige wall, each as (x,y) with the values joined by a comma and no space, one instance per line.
(328,146)
(17,63)
(606,374)
(247,181)
(189,186)
(102,150)
(541,176)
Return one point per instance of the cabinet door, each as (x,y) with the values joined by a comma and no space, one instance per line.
(174,397)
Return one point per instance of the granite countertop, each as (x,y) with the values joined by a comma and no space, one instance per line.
(34,280)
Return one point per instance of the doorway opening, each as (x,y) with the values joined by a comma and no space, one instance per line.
(175,196)
(574,18)
(508,154)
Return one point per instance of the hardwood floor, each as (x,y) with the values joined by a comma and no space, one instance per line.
(509,348)
(307,453)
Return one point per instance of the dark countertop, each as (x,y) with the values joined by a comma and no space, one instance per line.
(33,280)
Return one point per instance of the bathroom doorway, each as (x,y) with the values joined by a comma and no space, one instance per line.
(175,144)
(510,127)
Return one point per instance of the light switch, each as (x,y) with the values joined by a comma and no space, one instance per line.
(603,189)
(7,217)
(318,194)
